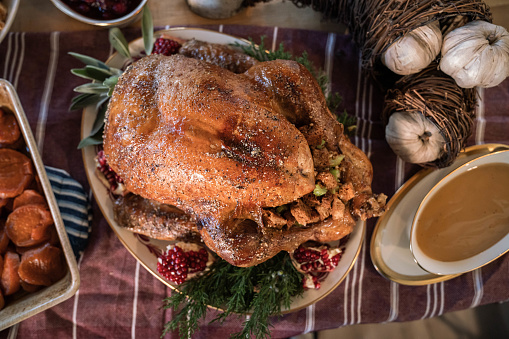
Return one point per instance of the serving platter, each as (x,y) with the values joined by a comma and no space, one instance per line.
(146,250)
(390,243)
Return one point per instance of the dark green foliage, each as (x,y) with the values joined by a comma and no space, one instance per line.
(263,290)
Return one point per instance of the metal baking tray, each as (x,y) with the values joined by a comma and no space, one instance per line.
(33,303)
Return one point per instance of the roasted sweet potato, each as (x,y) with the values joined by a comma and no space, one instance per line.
(42,266)
(29,287)
(29,225)
(4,239)
(10,281)
(28,197)
(9,129)
(3,202)
(16,173)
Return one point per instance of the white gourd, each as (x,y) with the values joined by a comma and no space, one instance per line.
(415,50)
(476,54)
(414,138)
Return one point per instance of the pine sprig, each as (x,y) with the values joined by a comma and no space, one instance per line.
(263,290)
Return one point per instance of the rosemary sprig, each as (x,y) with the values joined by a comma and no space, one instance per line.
(263,290)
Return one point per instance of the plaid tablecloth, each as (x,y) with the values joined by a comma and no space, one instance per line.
(118,298)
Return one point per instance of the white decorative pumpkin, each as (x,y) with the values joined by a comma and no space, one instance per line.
(414,138)
(415,50)
(476,54)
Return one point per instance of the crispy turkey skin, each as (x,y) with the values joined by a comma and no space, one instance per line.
(225,147)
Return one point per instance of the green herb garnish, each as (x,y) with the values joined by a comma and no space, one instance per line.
(263,290)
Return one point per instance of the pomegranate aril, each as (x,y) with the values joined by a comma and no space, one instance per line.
(165,47)
(177,263)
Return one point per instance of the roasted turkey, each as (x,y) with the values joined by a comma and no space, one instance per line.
(237,155)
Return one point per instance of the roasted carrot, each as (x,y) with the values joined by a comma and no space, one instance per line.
(42,266)
(16,173)
(9,129)
(10,279)
(29,225)
(28,197)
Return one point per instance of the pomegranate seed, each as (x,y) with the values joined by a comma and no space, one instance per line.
(315,262)
(176,264)
(165,47)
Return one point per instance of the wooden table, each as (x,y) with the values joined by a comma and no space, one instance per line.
(43,16)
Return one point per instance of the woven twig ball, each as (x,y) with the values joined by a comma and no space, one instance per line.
(438,97)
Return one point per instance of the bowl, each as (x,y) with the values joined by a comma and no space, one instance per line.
(12,8)
(125,20)
(24,305)
(463,222)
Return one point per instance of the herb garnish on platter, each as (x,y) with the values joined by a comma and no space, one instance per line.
(263,290)
(260,291)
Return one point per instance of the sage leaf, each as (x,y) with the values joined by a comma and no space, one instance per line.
(86,99)
(92,88)
(92,139)
(119,42)
(96,134)
(99,119)
(92,73)
(110,83)
(147,30)
(87,60)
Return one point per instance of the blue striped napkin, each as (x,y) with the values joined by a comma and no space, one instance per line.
(74,207)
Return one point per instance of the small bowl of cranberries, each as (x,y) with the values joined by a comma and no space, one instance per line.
(105,13)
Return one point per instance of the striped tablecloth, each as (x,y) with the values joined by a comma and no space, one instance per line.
(120,299)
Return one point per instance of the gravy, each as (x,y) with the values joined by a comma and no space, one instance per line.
(467,215)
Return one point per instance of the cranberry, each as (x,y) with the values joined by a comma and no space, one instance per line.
(120,8)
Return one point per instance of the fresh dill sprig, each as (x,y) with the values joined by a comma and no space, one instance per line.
(263,290)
